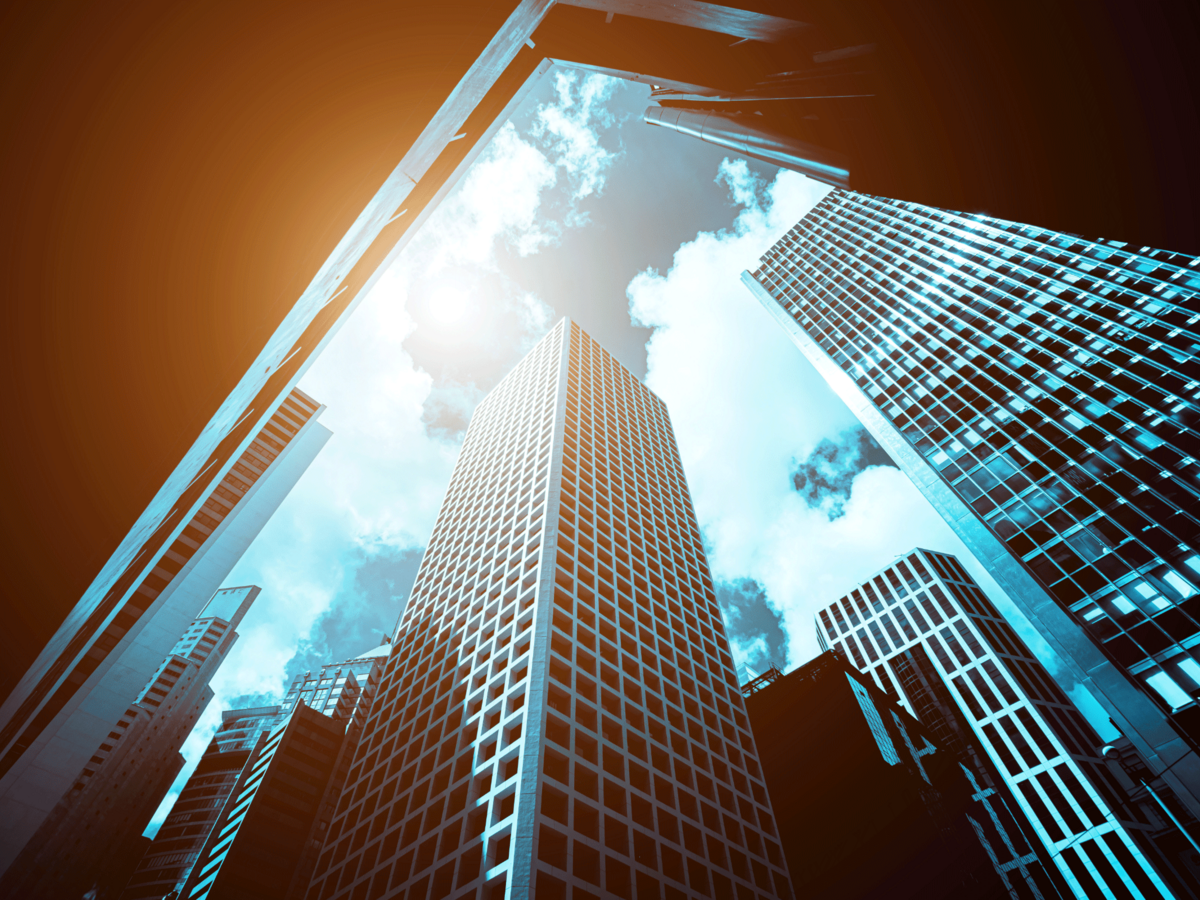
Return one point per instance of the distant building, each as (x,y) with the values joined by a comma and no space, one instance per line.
(92,837)
(1169,822)
(96,665)
(924,631)
(868,807)
(1041,390)
(167,862)
(243,748)
(561,713)
(258,840)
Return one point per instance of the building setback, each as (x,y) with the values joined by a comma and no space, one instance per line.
(560,717)
(923,619)
(342,693)
(258,841)
(99,661)
(869,806)
(93,836)
(200,804)
(1042,391)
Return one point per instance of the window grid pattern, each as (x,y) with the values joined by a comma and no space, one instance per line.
(335,690)
(200,805)
(430,801)
(540,618)
(1040,744)
(1053,383)
(652,785)
(292,415)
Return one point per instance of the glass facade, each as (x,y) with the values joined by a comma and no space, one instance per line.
(1051,384)
(926,610)
(560,716)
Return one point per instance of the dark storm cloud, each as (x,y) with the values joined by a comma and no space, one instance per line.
(826,477)
(754,627)
(363,612)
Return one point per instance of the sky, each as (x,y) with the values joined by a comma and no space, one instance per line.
(577,208)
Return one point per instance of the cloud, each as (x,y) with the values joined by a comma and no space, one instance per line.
(756,632)
(569,129)
(826,476)
(791,495)
(400,381)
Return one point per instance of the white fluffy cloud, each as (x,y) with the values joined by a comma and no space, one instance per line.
(400,380)
(747,409)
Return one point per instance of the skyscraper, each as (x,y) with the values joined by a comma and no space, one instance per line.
(340,691)
(258,841)
(98,664)
(561,713)
(201,804)
(870,808)
(89,836)
(1041,390)
(923,624)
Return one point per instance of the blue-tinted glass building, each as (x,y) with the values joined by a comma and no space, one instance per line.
(933,641)
(1042,391)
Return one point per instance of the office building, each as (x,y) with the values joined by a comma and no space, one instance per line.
(1041,390)
(921,628)
(177,845)
(340,692)
(343,691)
(560,717)
(93,836)
(98,664)
(1171,825)
(258,840)
(869,806)
(207,321)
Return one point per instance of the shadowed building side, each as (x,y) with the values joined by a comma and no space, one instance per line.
(868,805)
(1041,390)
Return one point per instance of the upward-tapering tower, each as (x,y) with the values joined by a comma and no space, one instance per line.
(560,713)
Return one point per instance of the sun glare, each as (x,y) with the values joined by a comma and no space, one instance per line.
(451,301)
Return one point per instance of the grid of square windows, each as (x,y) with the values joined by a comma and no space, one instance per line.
(641,777)
(652,787)
(428,807)
(1052,381)
(1041,745)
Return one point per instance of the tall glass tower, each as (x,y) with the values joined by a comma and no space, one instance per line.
(560,716)
(1043,391)
(925,632)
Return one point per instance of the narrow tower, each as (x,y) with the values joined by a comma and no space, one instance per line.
(560,716)
(101,657)
(93,835)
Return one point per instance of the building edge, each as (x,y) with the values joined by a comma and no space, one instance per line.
(1098,675)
